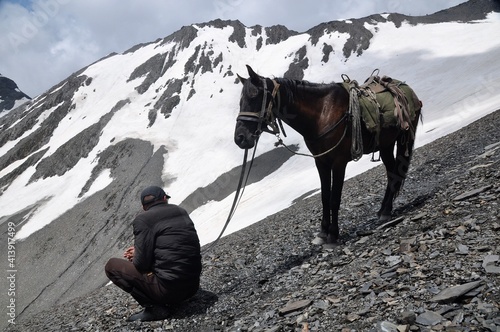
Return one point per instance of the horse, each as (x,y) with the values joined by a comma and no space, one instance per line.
(320,113)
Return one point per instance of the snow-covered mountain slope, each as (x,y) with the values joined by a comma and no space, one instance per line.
(10,95)
(74,159)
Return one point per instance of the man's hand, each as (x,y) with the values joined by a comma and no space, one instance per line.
(129,253)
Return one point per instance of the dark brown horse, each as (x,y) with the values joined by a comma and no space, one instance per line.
(320,113)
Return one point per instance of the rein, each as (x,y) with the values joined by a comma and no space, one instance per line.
(265,115)
(237,196)
(345,117)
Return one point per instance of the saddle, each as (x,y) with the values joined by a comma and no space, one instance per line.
(384,102)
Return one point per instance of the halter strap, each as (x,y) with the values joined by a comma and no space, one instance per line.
(265,115)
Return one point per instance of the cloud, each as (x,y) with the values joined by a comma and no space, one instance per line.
(45,41)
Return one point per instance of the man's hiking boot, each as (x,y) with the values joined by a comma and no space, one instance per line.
(150,314)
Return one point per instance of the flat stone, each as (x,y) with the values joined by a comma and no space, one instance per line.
(459,318)
(393,260)
(472,193)
(480,166)
(489,264)
(492,146)
(352,317)
(390,223)
(407,317)
(364,239)
(293,306)
(483,248)
(429,318)
(365,288)
(347,251)
(386,326)
(405,245)
(321,304)
(334,300)
(403,328)
(364,233)
(462,249)
(452,293)
(419,216)
(318,241)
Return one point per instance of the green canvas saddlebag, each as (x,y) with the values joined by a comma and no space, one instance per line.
(377,103)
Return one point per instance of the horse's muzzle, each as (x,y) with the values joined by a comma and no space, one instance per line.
(243,142)
(243,137)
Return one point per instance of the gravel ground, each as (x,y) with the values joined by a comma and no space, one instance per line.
(434,267)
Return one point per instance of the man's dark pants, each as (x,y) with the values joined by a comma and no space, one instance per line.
(148,289)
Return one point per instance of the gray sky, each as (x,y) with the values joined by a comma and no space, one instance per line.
(44,41)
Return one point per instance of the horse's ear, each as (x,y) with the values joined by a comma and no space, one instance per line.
(242,80)
(254,77)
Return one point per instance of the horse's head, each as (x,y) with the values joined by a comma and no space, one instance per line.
(255,114)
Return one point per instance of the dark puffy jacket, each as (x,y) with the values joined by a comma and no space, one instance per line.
(166,243)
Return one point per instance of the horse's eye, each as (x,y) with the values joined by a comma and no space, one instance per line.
(252,91)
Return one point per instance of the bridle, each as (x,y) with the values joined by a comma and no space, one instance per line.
(266,118)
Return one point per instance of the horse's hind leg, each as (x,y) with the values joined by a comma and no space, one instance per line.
(396,169)
(387,156)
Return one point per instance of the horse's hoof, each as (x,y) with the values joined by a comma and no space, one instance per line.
(332,240)
(332,245)
(318,240)
(384,218)
(322,235)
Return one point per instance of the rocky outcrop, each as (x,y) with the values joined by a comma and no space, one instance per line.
(10,95)
(70,153)
(465,12)
(59,100)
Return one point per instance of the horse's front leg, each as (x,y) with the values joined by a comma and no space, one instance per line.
(326,180)
(336,196)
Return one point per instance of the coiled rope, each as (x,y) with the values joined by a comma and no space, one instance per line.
(354,111)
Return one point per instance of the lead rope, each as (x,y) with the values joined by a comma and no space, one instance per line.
(237,196)
(244,178)
(280,142)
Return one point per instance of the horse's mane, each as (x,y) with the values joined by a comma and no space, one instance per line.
(292,87)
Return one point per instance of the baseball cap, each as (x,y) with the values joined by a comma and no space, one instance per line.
(154,191)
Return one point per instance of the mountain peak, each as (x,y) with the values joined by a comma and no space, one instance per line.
(10,95)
